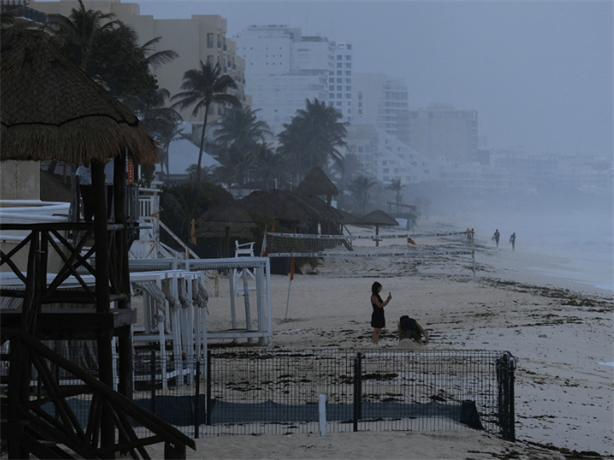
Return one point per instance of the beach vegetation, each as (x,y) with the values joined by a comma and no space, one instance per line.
(202,87)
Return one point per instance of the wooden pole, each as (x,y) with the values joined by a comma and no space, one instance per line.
(103,294)
(122,264)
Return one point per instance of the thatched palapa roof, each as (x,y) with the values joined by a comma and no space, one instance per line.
(285,205)
(377,218)
(225,219)
(52,110)
(316,182)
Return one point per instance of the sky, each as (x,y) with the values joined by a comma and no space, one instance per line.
(539,73)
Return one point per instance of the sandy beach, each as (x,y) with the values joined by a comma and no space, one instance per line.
(559,331)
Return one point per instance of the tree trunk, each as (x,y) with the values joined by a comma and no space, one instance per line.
(202,143)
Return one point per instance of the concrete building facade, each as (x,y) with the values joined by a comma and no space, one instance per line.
(382,101)
(385,158)
(284,68)
(444,133)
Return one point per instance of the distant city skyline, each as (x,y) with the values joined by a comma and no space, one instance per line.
(539,73)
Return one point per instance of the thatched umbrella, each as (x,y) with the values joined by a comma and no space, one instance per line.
(52,110)
(377,218)
(223,221)
(315,183)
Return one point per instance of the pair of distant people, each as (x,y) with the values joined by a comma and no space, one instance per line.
(497,236)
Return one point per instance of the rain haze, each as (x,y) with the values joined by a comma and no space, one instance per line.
(539,75)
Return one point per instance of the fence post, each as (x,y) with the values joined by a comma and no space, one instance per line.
(322,411)
(208,403)
(506,364)
(153,382)
(197,399)
(357,390)
(512,416)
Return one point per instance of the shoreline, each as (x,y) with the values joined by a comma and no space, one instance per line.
(558,330)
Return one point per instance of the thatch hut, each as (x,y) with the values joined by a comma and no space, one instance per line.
(51,110)
(224,221)
(317,183)
(300,213)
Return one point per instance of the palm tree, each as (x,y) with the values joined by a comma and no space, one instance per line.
(271,169)
(203,87)
(240,127)
(346,169)
(313,136)
(161,122)
(157,58)
(396,186)
(80,28)
(360,188)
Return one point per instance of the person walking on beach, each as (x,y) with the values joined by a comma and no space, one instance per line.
(513,240)
(378,321)
(496,237)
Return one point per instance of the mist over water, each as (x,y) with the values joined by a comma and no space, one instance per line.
(577,229)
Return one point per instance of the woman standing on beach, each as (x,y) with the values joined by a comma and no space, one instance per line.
(378,321)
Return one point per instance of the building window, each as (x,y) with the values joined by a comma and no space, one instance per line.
(339,80)
(209,40)
(348,65)
(338,104)
(360,95)
(360,111)
(331,95)
(339,72)
(348,57)
(339,64)
(348,95)
(348,80)
(331,88)
(348,72)
(360,104)
(386,171)
(339,96)
(339,57)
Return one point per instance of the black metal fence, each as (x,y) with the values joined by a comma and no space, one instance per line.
(276,391)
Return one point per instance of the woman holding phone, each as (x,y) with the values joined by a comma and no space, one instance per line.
(378,321)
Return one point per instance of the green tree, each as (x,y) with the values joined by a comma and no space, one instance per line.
(118,60)
(162,123)
(396,186)
(345,170)
(77,32)
(240,126)
(313,136)
(271,169)
(360,189)
(203,87)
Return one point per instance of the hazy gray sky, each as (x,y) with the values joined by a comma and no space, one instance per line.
(540,74)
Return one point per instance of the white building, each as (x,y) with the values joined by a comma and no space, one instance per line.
(382,100)
(385,158)
(283,68)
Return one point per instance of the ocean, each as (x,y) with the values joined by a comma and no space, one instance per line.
(583,238)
